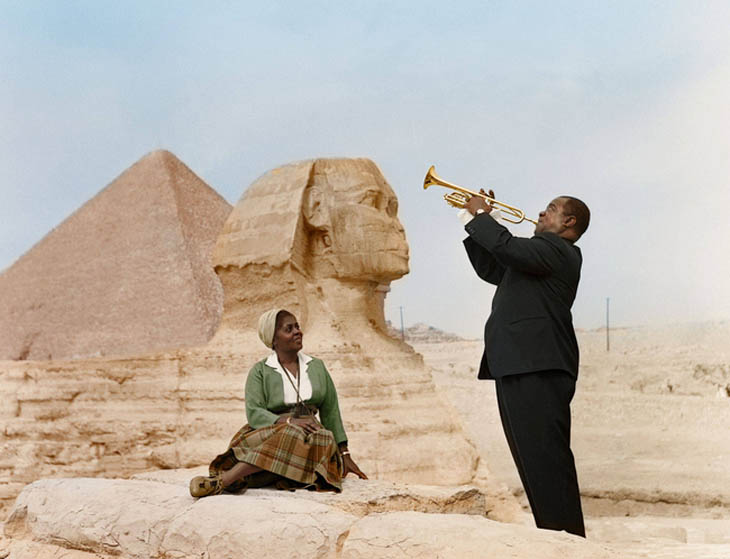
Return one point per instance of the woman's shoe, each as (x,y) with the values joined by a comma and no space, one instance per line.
(203,486)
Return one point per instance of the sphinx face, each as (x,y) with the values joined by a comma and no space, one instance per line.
(366,239)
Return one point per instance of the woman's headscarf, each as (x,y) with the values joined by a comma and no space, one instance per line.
(267,327)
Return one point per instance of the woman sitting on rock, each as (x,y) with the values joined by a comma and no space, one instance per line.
(283,443)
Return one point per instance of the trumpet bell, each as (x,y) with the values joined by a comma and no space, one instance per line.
(460,196)
(430,177)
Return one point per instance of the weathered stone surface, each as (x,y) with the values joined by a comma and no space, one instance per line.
(139,519)
(119,417)
(458,536)
(128,272)
(362,497)
(321,238)
(663,530)
(25,549)
(135,519)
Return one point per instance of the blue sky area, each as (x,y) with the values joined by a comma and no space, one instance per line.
(622,104)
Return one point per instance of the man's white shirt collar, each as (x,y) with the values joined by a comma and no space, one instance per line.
(305,385)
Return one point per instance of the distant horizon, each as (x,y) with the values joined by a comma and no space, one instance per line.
(602,328)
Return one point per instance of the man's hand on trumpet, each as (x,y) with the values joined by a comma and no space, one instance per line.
(478,203)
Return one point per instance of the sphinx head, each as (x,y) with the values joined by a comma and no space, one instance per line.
(351,223)
(304,225)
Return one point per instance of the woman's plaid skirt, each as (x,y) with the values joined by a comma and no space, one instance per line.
(312,460)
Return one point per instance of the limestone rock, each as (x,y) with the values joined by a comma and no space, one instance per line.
(129,272)
(363,497)
(108,417)
(139,519)
(25,549)
(135,519)
(321,238)
(447,536)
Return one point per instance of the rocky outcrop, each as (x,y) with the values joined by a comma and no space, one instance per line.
(128,273)
(421,333)
(119,417)
(156,517)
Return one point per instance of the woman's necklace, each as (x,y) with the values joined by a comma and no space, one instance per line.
(299,407)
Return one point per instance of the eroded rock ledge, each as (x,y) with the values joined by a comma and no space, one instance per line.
(153,516)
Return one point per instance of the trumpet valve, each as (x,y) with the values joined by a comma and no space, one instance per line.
(456,199)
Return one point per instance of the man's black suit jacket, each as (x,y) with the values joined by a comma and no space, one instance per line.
(530,327)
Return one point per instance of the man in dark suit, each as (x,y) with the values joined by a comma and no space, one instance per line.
(530,347)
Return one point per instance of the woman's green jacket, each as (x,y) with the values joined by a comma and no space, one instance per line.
(265,396)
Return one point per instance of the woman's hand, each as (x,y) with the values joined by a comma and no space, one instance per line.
(308,424)
(350,466)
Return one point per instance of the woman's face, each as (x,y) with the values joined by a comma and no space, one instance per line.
(288,335)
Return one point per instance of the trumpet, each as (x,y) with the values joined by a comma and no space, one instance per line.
(461,196)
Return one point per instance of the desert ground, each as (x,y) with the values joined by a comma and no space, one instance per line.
(650,433)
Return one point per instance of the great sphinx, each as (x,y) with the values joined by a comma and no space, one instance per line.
(321,238)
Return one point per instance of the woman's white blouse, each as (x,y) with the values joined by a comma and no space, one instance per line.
(305,385)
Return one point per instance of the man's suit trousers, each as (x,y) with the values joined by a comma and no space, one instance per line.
(535,413)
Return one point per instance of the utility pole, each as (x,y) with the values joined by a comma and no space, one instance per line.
(402,330)
(608,343)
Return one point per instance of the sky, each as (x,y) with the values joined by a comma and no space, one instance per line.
(621,104)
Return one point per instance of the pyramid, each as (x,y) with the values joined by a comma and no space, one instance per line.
(127,273)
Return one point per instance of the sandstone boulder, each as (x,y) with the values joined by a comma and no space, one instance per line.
(135,519)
